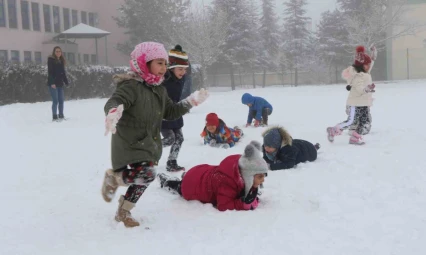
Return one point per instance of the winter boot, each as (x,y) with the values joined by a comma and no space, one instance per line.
(112,181)
(356,139)
(317,146)
(55,118)
(61,117)
(332,132)
(123,213)
(164,178)
(172,166)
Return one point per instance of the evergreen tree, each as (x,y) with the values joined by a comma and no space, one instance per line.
(269,36)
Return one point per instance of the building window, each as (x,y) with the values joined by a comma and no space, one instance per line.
(46,15)
(14,56)
(79,58)
(56,19)
(3,56)
(25,14)
(36,16)
(71,58)
(93,59)
(84,17)
(27,57)
(86,58)
(37,57)
(2,14)
(11,10)
(66,18)
(74,18)
(91,19)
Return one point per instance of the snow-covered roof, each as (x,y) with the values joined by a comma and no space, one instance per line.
(83,31)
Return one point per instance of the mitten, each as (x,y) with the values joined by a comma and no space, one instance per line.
(225,146)
(212,143)
(256,123)
(373,53)
(112,118)
(198,97)
(370,88)
(348,87)
(248,124)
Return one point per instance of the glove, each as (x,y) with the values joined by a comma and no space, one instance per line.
(225,146)
(348,87)
(370,88)
(212,143)
(256,123)
(373,53)
(248,124)
(112,118)
(198,97)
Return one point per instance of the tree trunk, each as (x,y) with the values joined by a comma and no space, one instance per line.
(232,77)
(296,77)
(254,79)
(264,78)
(282,74)
(204,76)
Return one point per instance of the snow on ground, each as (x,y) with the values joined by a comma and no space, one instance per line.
(352,200)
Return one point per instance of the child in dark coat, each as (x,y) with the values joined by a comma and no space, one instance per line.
(281,151)
(231,185)
(171,130)
(217,134)
(259,109)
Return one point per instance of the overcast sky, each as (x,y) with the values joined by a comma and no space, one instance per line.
(314,8)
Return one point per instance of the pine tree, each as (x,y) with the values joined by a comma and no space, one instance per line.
(269,38)
(296,33)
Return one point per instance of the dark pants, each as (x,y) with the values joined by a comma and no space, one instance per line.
(174,138)
(139,176)
(265,113)
(57,95)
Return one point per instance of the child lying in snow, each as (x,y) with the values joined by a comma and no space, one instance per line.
(231,185)
(217,134)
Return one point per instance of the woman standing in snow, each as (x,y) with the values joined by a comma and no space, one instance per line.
(134,115)
(359,98)
(232,185)
(56,80)
(174,83)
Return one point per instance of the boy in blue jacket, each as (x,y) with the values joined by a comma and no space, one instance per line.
(259,109)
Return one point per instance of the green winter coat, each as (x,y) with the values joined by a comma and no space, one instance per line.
(138,136)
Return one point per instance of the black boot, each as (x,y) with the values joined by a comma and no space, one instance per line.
(61,117)
(55,118)
(317,146)
(172,166)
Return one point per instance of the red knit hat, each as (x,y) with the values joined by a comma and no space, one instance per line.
(361,58)
(212,119)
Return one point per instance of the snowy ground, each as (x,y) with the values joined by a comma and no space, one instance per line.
(352,200)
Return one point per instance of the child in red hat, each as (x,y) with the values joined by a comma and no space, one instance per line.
(217,134)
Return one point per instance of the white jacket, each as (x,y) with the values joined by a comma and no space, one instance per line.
(359,81)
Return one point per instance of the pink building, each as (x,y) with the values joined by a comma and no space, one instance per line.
(27,29)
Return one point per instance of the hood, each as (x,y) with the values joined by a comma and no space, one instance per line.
(286,138)
(119,78)
(348,74)
(229,167)
(247,98)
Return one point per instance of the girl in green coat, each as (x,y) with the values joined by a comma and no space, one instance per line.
(134,115)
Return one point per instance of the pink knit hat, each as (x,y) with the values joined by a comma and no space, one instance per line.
(142,54)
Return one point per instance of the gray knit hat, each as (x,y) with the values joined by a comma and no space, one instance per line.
(252,163)
(273,139)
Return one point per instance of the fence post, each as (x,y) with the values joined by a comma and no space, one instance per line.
(408,65)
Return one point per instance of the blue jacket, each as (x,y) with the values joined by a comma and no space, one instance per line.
(257,104)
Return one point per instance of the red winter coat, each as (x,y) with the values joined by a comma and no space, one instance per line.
(220,185)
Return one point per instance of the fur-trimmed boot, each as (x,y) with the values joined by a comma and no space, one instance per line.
(123,213)
(112,181)
(332,132)
(356,139)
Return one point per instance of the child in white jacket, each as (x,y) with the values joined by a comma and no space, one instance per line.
(359,99)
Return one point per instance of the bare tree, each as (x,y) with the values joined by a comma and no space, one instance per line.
(202,37)
(373,22)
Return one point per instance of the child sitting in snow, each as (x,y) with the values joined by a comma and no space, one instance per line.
(217,134)
(259,109)
(281,151)
(231,185)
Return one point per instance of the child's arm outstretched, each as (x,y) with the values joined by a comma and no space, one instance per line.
(175,110)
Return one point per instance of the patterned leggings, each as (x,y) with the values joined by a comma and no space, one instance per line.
(173,137)
(357,114)
(366,127)
(139,175)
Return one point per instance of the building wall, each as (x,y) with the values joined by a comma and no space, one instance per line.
(23,38)
(407,56)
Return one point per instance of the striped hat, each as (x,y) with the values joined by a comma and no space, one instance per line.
(178,57)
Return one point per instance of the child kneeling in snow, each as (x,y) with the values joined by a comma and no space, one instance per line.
(281,151)
(232,185)
(359,98)
(259,109)
(217,134)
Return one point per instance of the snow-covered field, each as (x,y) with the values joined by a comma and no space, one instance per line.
(352,200)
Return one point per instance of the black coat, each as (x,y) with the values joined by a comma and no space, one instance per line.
(174,88)
(56,73)
(290,155)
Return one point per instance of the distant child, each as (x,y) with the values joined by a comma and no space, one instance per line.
(259,109)
(347,74)
(172,129)
(217,134)
(281,151)
(359,98)
(133,115)
(231,185)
